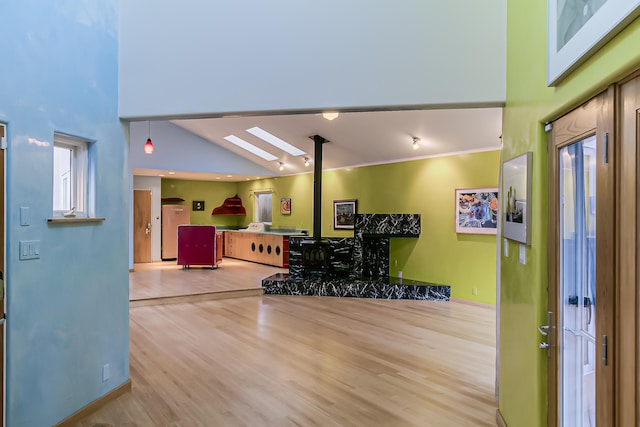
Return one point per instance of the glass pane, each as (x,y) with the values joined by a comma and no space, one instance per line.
(577,282)
(264,207)
(62,178)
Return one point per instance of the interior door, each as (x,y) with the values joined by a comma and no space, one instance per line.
(581,266)
(141,226)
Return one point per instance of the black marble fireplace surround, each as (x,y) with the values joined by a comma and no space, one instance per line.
(358,266)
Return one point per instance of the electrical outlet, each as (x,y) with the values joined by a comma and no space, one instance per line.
(105,373)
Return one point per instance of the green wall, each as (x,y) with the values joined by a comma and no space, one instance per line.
(213,194)
(427,187)
(530,103)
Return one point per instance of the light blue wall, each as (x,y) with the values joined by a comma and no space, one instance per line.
(179,149)
(255,55)
(67,312)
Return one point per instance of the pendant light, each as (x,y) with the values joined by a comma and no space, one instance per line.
(148,146)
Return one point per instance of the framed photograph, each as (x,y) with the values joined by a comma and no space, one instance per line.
(197,205)
(344,213)
(285,206)
(578,28)
(477,210)
(516,195)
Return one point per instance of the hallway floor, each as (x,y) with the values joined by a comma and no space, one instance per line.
(272,360)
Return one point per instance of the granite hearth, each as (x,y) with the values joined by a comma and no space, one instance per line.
(389,288)
(359,266)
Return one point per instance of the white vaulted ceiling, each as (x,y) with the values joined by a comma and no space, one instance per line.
(357,138)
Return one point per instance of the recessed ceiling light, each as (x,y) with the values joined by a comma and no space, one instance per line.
(172,173)
(229,176)
(161,174)
(330,115)
(217,177)
(275,141)
(250,147)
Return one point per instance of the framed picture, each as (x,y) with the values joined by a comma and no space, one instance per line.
(197,205)
(344,213)
(516,188)
(578,28)
(285,206)
(477,210)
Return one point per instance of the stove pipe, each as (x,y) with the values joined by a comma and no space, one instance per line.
(317,186)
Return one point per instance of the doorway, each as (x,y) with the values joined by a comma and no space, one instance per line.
(141,226)
(581,266)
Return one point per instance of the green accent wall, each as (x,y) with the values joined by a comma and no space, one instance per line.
(530,103)
(466,262)
(213,194)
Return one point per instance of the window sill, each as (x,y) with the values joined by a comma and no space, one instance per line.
(73,220)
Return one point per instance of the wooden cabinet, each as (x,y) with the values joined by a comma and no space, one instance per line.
(272,249)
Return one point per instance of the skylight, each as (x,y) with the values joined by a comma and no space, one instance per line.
(250,147)
(275,141)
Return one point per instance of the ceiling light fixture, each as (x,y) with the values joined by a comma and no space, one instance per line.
(307,161)
(148,146)
(330,115)
(281,166)
(275,141)
(416,142)
(250,147)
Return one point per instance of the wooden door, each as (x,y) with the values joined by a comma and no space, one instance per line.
(627,297)
(141,226)
(582,354)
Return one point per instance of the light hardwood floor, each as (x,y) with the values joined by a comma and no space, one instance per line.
(308,361)
(167,279)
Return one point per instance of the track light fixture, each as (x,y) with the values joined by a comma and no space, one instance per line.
(416,142)
(307,162)
(281,166)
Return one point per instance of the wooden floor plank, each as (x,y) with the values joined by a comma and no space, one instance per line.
(308,361)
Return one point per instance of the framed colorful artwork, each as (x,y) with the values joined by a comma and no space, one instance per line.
(285,206)
(477,210)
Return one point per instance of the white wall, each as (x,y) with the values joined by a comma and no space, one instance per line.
(205,57)
(153,184)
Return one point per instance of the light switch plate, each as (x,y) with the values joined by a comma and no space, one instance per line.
(523,254)
(24,215)
(29,249)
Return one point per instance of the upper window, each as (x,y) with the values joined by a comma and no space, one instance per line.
(263,207)
(70,174)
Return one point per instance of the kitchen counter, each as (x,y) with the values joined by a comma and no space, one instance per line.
(265,247)
(276,231)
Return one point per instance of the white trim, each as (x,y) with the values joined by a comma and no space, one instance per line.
(433,156)
(79,172)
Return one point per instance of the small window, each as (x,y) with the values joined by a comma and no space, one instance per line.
(263,208)
(70,174)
